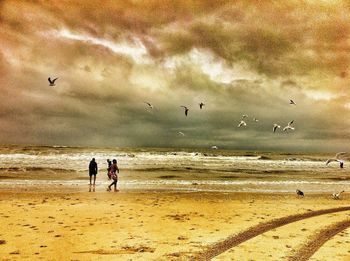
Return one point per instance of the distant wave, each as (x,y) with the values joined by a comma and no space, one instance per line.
(28,169)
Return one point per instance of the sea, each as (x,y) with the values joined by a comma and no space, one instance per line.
(35,168)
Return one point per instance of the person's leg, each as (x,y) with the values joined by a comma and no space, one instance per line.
(90,179)
(109,187)
(115,186)
(94,179)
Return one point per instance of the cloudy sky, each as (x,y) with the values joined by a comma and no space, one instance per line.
(238,57)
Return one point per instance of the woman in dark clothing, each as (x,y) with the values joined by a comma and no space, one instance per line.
(109,168)
(93,170)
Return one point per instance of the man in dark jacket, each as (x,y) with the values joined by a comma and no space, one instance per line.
(93,170)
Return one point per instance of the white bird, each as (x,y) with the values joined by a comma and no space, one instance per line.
(52,82)
(292,102)
(201,105)
(255,120)
(214,147)
(181,133)
(337,195)
(186,109)
(244,116)
(331,160)
(242,123)
(275,126)
(149,105)
(339,157)
(289,126)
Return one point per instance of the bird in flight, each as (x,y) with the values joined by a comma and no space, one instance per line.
(181,133)
(52,82)
(275,126)
(339,157)
(242,123)
(186,109)
(289,126)
(214,147)
(292,102)
(331,160)
(201,105)
(244,116)
(255,120)
(149,105)
(337,195)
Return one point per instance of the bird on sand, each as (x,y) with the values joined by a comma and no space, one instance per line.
(300,193)
(275,126)
(201,105)
(52,82)
(337,195)
(149,105)
(242,123)
(289,126)
(186,109)
(214,147)
(292,102)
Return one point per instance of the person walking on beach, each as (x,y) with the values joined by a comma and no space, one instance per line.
(109,168)
(114,176)
(93,170)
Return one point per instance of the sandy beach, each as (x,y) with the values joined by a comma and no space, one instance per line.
(134,225)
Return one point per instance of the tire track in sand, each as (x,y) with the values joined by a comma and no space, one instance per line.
(234,240)
(315,242)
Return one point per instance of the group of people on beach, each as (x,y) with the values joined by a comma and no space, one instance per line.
(112,173)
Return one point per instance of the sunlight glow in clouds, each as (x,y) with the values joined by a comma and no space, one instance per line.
(320,95)
(210,65)
(135,50)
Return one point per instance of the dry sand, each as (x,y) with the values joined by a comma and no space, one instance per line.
(132,225)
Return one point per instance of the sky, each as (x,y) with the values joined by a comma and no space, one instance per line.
(237,57)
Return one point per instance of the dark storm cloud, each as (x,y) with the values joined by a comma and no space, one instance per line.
(238,57)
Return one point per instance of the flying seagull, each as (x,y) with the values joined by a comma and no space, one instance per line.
(255,120)
(186,109)
(289,126)
(149,105)
(181,133)
(292,102)
(242,123)
(52,82)
(331,160)
(214,147)
(337,195)
(201,105)
(339,157)
(244,116)
(275,126)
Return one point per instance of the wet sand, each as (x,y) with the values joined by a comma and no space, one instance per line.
(134,225)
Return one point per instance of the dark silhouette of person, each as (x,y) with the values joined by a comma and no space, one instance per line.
(341,164)
(93,170)
(113,172)
(109,168)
